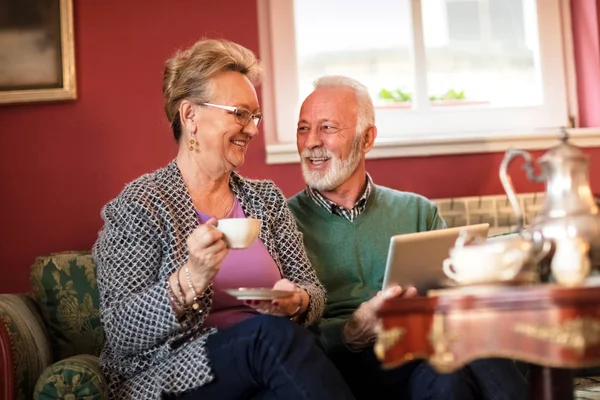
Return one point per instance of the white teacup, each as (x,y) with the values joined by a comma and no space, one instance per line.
(239,233)
(489,262)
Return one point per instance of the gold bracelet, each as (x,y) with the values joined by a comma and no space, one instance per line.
(172,297)
(180,290)
(196,303)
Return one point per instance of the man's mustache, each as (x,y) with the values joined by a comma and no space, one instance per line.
(318,152)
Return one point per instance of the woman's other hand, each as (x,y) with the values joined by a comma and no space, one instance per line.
(289,306)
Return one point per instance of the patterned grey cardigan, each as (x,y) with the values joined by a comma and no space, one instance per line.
(148,352)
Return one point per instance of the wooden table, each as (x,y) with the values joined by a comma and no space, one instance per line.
(553,328)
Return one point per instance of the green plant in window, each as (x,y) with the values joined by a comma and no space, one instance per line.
(451,94)
(454,95)
(400,96)
(395,95)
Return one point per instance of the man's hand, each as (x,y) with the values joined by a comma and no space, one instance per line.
(360,330)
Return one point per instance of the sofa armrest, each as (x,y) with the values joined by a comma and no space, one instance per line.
(26,340)
(77,377)
(6,365)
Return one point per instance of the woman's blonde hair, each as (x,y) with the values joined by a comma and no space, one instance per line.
(188,73)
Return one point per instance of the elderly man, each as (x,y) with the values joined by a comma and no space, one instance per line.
(347,222)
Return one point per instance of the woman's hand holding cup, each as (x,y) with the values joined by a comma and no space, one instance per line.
(207,249)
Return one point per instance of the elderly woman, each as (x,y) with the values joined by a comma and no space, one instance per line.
(162,263)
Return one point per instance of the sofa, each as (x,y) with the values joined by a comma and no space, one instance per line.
(50,338)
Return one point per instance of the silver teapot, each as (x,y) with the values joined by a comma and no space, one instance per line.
(569,209)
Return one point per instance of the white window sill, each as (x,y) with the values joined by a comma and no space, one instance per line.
(286,153)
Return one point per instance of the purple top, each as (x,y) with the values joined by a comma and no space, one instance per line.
(252,267)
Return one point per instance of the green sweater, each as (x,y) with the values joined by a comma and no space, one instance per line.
(350,257)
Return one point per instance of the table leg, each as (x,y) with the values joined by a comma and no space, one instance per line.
(550,383)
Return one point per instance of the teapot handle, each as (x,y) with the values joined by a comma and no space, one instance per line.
(507,182)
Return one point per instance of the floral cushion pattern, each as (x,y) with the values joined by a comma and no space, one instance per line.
(29,342)
(64,286)
(77,377)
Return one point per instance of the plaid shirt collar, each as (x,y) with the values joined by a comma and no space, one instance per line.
(349,214)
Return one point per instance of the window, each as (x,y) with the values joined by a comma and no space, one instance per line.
(440,72)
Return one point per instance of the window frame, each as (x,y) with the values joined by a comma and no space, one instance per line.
(280,99)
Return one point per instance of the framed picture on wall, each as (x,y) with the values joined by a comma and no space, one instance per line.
(37,51)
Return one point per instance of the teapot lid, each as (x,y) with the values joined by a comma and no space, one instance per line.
(563,151)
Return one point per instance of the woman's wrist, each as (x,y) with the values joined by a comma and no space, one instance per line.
(191,289)
(176,296)
(191,279)
(183,292)
(303,303)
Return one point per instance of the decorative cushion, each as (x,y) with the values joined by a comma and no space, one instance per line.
(78,377)
(30,345)
(64,286)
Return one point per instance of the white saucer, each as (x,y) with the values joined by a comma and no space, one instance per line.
(258,293)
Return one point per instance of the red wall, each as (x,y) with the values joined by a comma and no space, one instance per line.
(59,163)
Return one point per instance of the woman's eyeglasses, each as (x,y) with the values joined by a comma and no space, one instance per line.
(242,115)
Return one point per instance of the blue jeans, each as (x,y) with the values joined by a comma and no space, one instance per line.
(268,357)
(499,379)
(415,380)
(491,379)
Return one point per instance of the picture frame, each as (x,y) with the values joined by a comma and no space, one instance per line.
(37,51)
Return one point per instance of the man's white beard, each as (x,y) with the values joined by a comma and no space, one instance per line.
(337,173)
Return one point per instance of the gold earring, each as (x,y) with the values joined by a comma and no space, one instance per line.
(192,142)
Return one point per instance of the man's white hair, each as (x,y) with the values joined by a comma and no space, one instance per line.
(366,111)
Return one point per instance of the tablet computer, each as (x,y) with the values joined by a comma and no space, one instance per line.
(415,259)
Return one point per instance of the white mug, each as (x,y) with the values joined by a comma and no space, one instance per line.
(239,233)
(483,264)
